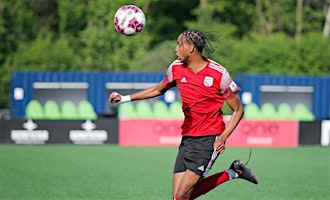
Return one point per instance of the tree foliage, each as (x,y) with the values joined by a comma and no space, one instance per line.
(252,36)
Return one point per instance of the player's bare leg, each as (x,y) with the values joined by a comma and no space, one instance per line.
(176,181)
(188,186)
(184,183)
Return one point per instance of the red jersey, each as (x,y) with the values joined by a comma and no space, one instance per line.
(203,94)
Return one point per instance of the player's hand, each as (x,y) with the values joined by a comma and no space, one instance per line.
(114,97)
(220,145)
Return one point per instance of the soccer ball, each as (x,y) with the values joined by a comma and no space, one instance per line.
(129,20)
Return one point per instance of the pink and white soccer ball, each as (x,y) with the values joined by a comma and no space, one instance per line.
(129,20)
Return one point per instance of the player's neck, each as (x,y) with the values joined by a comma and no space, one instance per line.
(198,63)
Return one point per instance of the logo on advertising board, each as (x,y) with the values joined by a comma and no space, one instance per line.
(265,133)
(30,135)
(168,132)
(88,135)
(154,132)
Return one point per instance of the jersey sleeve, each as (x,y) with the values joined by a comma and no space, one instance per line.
(168,80)
(228,88)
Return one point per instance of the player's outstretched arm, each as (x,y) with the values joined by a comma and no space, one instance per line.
(236,105)
(143,94)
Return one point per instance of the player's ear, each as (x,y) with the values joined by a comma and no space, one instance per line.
(191,48)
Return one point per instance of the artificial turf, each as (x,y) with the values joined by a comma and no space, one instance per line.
(125,173)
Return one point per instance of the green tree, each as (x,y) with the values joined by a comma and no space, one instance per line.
(313,55)
(156,59)
(103,48)
(248,36)
(73,17)
(15,27)
(165,19)
(45,53)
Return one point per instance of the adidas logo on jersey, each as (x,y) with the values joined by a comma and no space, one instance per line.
(183,80)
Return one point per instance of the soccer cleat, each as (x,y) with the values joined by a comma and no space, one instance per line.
(243,172)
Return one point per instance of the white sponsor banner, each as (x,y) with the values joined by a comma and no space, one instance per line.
(325,133)
(88,135)
(30,135)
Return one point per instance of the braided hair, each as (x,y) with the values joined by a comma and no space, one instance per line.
(199,40)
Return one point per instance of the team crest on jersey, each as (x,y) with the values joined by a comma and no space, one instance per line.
(208,81)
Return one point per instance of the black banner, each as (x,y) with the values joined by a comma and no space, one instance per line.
(22,131)
(310,132)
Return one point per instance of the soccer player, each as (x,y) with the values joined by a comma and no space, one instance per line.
(204,86)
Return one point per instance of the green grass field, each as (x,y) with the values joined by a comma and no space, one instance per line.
(113,172)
